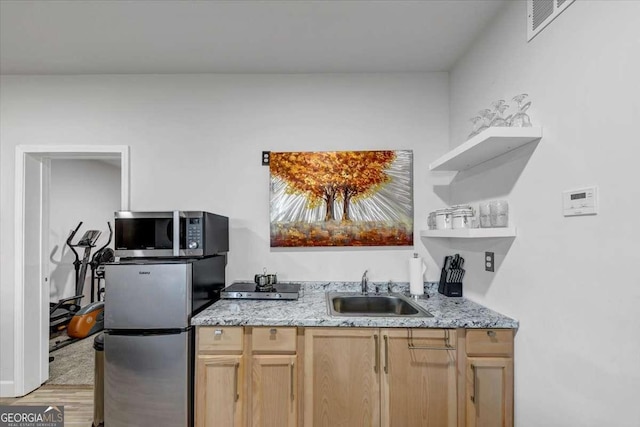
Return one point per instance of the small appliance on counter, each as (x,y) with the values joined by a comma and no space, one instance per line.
(170,234)
(248,290)
(451,276)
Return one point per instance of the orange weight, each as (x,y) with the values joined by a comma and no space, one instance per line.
(80,325)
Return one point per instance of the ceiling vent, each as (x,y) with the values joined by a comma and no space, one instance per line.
(540,13)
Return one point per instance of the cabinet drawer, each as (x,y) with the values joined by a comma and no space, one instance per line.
(490,342)
(274,339)
(220,339)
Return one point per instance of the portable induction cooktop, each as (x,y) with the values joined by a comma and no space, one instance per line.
(248,290)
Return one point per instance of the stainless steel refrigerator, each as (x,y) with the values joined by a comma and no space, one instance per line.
(149,343)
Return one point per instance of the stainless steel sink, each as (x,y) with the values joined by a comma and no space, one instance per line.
(377,305)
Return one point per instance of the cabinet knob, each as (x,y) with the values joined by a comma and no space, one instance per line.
(492,334)
(273,331)
(218,332)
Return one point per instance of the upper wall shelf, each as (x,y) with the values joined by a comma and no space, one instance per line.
(487,145)
(470,233)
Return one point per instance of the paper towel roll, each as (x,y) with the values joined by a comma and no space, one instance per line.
(417,268)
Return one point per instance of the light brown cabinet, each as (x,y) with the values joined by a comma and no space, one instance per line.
(219,382)
(342,377)
(380,377)
(247,377)
(489,378)
(418,377)
(274,399)
(274,378)
(219,400)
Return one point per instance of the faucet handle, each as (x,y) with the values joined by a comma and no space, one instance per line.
(389,283)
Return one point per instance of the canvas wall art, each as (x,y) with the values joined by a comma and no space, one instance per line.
(341,198)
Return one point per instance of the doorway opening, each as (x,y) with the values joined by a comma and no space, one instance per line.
(56,186)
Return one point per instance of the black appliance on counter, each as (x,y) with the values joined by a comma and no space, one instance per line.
(249,290)
(170,234)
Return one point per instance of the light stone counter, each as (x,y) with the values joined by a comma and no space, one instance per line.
(311,310)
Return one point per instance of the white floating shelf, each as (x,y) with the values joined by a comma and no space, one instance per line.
(490,143)
(471,233)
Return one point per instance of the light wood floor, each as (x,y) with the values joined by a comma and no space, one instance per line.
(76,399)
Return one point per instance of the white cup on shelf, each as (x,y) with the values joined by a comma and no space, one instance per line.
(484,214)
(499,213)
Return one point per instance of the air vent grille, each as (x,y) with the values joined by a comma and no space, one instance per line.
(540,13)
(542,9)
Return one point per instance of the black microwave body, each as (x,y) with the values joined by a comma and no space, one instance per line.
(154,234)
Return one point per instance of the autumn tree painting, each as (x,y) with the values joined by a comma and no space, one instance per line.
(344,198)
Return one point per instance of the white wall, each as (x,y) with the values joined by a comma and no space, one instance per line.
(80,190)
(196,143)
(571,281)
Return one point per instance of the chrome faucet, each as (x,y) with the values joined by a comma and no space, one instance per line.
(364,283)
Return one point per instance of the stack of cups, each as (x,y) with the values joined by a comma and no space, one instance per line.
(494,214)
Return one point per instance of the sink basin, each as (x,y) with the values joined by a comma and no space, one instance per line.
(388,305)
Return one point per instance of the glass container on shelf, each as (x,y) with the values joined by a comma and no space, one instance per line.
(520,118)
(477,124)
(487,116)
(499,107)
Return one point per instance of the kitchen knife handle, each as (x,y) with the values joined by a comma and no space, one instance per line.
(236,396)
(376,345)
(386,354)
(475,383)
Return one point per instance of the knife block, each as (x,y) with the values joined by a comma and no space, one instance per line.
(449,289)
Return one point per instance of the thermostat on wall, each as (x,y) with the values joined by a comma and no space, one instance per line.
(580,202)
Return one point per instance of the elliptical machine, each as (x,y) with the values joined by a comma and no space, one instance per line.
(61,312)
(68,313)
(90,318)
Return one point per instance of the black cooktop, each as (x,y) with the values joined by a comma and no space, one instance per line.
(248,290)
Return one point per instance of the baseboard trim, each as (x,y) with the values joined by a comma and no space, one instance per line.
(7,389)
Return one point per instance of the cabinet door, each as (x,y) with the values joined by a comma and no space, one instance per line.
(219,400)
(341,381)
(418,383)
(274,395)
(489,393)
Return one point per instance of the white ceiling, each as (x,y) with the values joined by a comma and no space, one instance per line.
(199,36)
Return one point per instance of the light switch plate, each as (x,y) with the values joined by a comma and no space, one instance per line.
(582,201)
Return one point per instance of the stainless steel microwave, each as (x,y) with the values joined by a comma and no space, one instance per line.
(170,234)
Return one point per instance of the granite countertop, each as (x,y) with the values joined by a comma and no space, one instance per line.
(311,310)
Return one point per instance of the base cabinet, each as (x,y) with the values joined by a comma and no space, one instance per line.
(380,377)
(273,391)
(220,370)
(345,377)
(219,401)
(489,392)
(418,378)
(342,381)
(489,378)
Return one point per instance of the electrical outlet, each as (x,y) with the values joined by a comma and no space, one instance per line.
(488,261)
(265,158)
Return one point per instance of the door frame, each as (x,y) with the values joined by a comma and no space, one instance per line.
(44,153)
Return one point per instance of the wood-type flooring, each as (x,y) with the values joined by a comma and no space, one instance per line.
(76,399)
